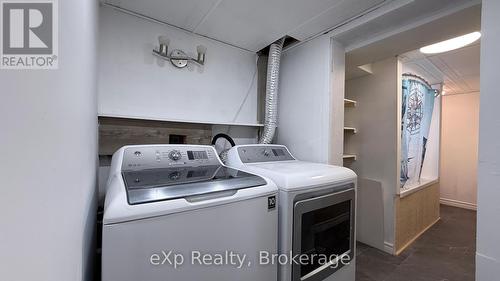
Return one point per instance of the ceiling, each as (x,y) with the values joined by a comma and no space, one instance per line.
(255,24)
(459,23)
(458,69)
(371,30)
(251,24)
(410,14)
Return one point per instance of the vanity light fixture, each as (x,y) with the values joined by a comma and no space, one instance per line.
(178,58)
(451,44)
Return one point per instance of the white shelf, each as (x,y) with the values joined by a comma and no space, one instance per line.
(181,121)
(350,103)
(350,130)
(349,157)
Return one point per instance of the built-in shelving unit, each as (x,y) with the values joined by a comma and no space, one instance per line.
(349,131)
(349,103)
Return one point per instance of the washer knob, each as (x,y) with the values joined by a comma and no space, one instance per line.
(175,155)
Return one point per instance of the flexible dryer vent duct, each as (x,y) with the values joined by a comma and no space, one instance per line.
(273,71)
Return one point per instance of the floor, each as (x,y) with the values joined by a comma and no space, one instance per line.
(446,252)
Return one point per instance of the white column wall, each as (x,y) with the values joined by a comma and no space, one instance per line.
(307,121)
(488,226)
(48,143)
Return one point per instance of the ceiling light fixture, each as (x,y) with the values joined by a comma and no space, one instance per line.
(451,44)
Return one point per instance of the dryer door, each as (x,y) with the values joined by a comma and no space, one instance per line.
(323,235)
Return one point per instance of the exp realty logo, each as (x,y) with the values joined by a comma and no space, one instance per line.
(29,34)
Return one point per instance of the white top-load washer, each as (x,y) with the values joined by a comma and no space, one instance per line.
(175,212)
(316,204)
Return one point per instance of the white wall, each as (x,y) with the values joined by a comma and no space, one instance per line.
(134,83)
(459,145)
(306,97)
(488,228)
(49,146)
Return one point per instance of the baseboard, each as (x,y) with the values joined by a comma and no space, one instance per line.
(388,248)
(416,237)
(458,204)
(486,267)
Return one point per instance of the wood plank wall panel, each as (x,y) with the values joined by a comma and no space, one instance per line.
(415,214)
(117,132)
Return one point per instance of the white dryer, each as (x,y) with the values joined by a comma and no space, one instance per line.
(316,204)
(174,212)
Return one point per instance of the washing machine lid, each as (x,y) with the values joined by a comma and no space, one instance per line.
(295,175)
(153,185)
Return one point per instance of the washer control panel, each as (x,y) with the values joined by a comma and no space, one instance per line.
(264,153)
(167,156)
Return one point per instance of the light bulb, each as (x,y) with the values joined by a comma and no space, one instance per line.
(451,44)
(201,49)
(201,54)
(163,40)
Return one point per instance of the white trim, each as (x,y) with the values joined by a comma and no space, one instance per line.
(485,266)
(379,11)
(464,93)
(423,184)
(488,258)
(358,20)
(458,204)
(389,248)
(151,118)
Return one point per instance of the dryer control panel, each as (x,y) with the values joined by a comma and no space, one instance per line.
(264,153)
(168,156)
